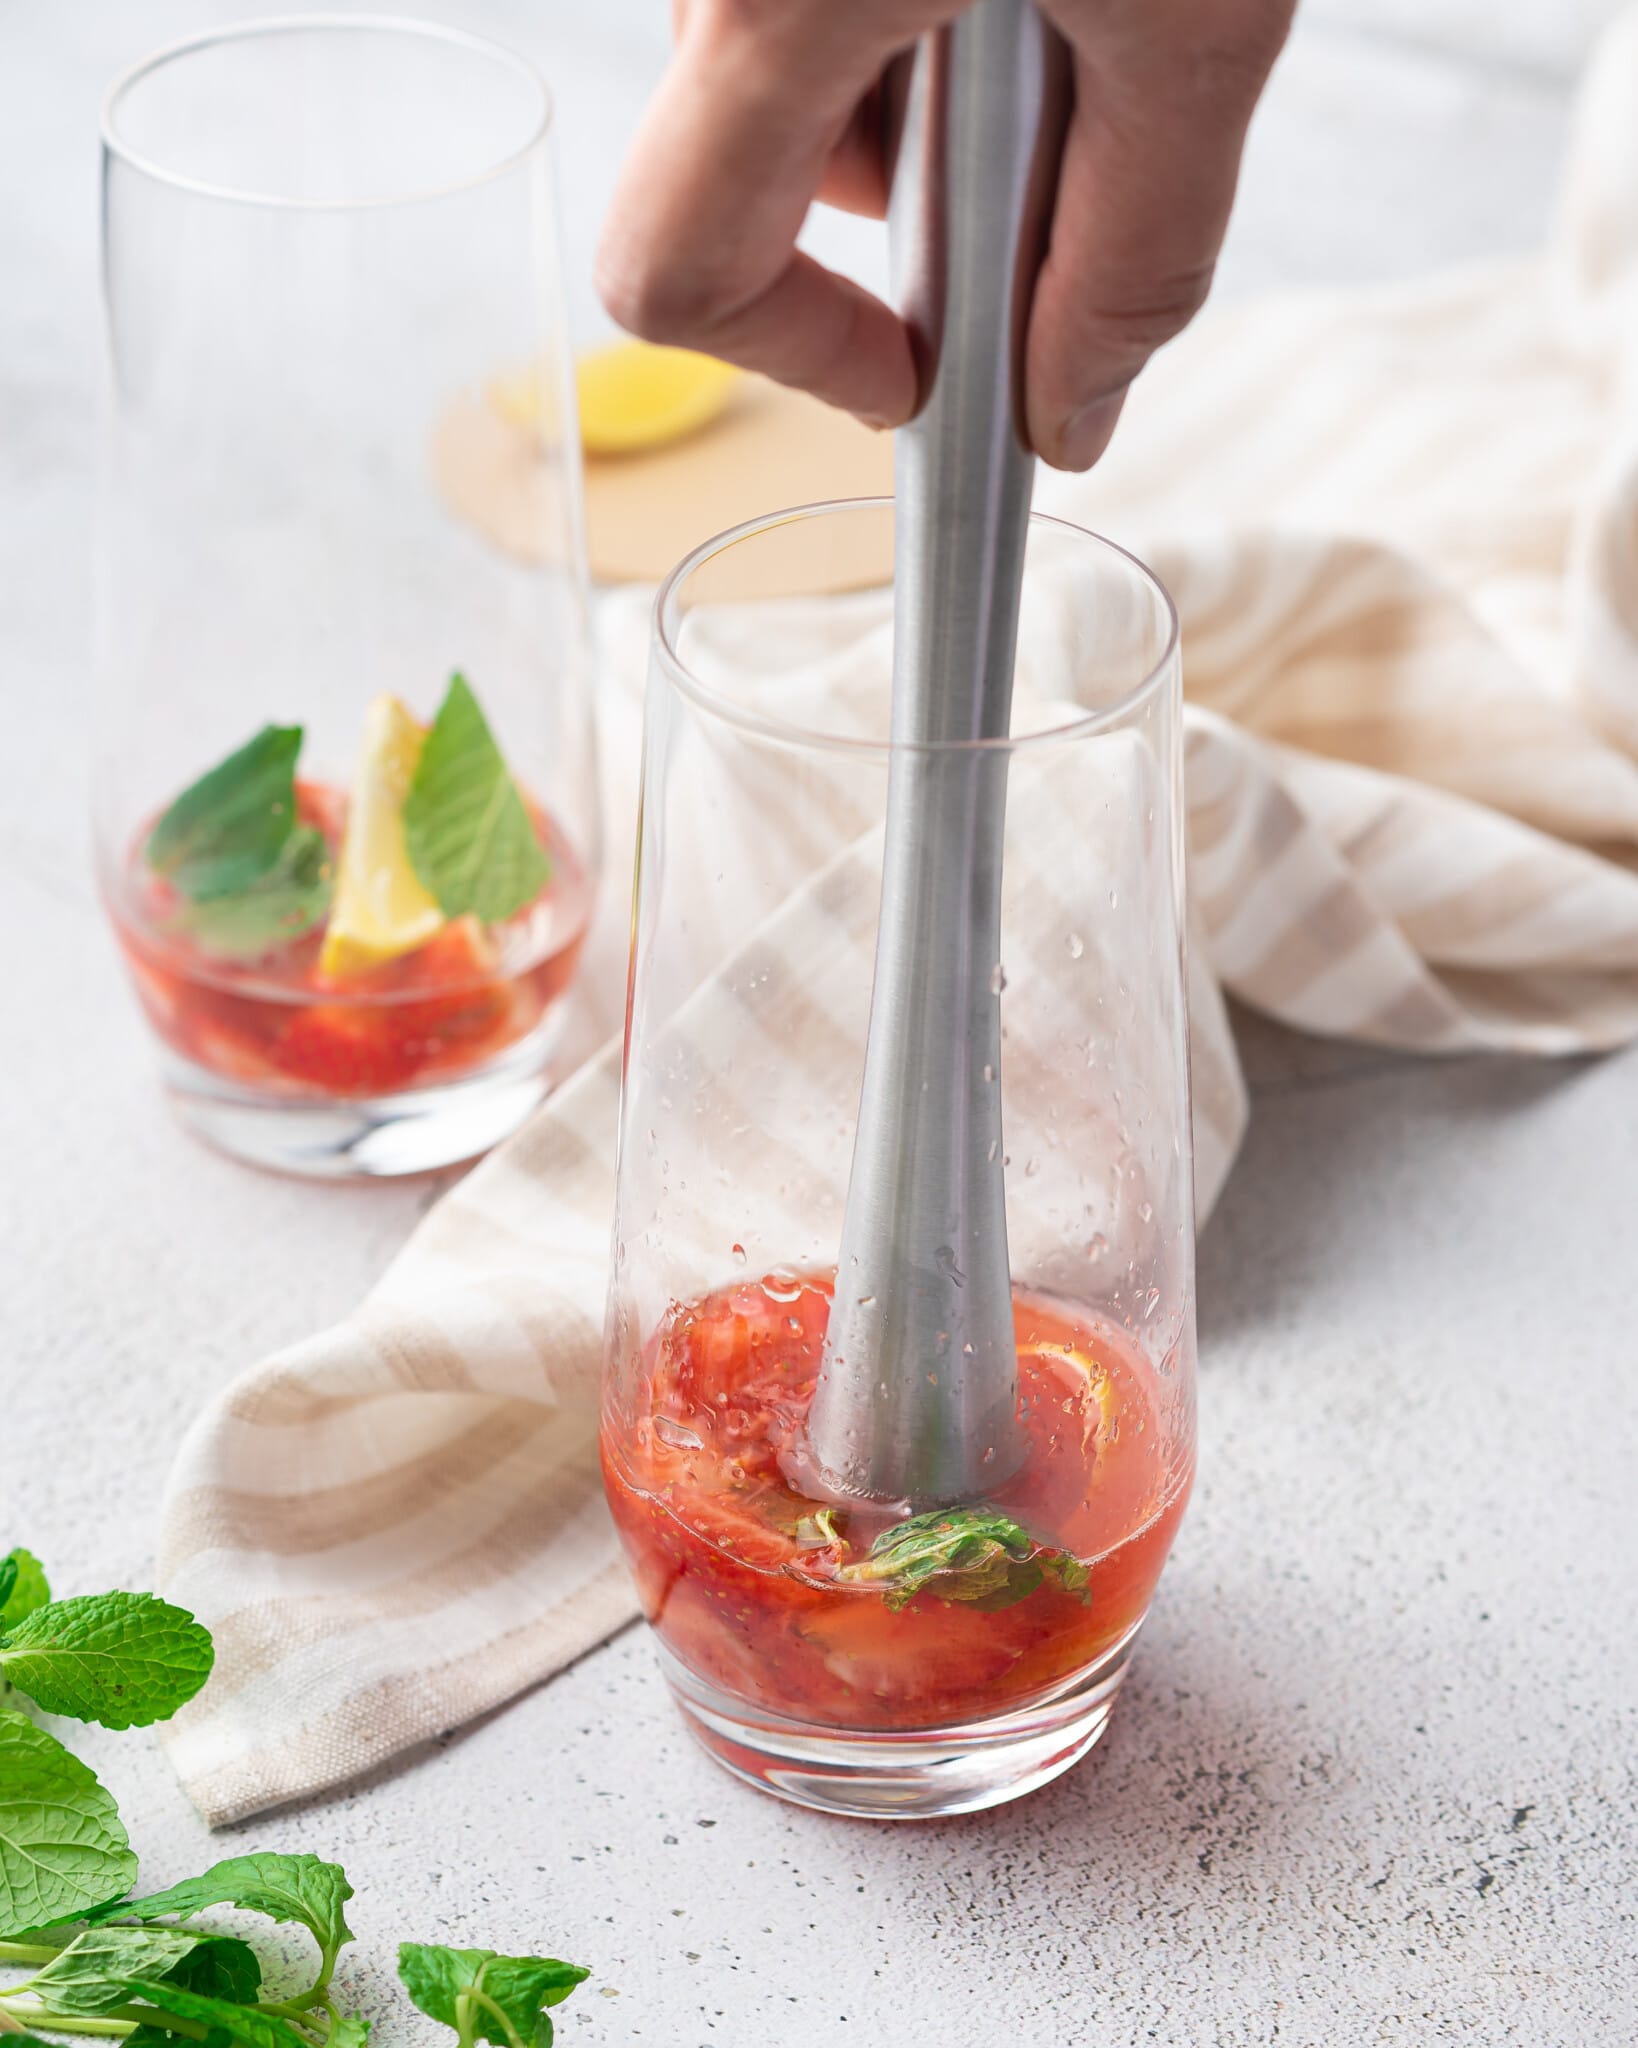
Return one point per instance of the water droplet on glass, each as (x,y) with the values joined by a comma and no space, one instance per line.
(998,979)
(994,1148)
(945,1260)
(1077,945)
(1151,1301)
(1114,899)
(738,1253)
(782,1286)
(1097,1246)
(1031,1168)
(989,1071)
(677,1435)
(1147,1211)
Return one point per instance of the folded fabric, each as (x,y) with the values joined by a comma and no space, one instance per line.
(1401,528)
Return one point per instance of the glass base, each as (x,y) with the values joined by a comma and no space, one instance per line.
(910,1774)
(374,1138)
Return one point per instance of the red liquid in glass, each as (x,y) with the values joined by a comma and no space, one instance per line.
(746,1598)
(428,1016)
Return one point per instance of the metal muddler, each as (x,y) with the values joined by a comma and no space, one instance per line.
(917,1398)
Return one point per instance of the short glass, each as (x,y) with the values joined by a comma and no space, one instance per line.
(345,789)
(844,1653)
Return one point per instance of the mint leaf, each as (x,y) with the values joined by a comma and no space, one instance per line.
(975,1554)
(289,899)
(62,1848)
(22,1587)
(220,1966)
(250,2024)
(226,829)
(347,2030)
(468,832)
(93,1974)
(485,1996)
(123,1659)
(298,1891)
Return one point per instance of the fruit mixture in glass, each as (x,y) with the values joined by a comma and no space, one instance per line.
(865,1615)
(320,943)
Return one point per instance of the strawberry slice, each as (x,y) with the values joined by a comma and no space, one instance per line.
(342,1049)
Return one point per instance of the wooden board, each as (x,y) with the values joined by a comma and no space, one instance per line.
(771,449)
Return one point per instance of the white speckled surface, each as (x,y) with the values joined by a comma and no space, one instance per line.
(1374,1780)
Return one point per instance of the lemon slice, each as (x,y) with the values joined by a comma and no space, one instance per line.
(380,907)
(634,396)
(1103,1386)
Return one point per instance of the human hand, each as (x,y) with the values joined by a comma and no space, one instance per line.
(770,104)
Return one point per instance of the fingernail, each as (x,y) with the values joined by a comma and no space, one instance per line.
(1086,434)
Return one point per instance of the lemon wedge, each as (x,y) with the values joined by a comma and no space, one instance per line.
(634,395)
(380,907)
(1097,1373)
(631,394)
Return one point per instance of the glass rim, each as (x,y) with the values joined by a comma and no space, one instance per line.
(667,613)
(407,26)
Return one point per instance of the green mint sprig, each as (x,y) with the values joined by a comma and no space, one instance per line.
(124,1659)
(470,837)
(487,1997)
(96,1970)
(143,1971)
(295,1891)
(289,899)
(974,1554)
(226,830)
(251,876)
(63,1848)
(22,1587)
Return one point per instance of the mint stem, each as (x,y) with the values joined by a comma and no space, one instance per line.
(30,1951)
(71,2022)
(482,1998)
(302,2010)
(136,2015)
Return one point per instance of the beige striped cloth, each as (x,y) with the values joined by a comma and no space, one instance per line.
(1402,531)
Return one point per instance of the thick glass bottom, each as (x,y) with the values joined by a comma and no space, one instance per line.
(910,1774)
(365,1138)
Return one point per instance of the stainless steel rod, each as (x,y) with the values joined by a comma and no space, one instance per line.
(917,1397)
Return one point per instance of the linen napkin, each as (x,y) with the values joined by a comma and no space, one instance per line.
(1401,528)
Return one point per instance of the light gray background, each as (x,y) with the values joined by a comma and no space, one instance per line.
(1374,1778)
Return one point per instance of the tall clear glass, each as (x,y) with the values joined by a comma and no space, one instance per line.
(853,1654)
(346,809)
